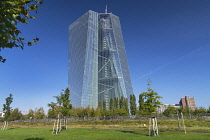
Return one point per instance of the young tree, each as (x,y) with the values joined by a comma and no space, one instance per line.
(104,106)
(66,106)
(6,107)
(39,113)
(200,110)
(110,104)
(53,111)
(62,105)
(98,112)
(92,112)
(116,103)
(208,111)
(13,12)
(30,114)
(170,110)
(133,104)
(150,100)
(15,115)
(141,104)
(123,104)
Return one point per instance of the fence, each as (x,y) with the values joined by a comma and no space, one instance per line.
(140,117)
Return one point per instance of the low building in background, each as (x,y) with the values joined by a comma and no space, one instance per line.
(2,114)
(163,107)
(188,102)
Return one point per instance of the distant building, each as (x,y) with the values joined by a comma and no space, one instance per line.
(188,102)
(163,107)
(2,114)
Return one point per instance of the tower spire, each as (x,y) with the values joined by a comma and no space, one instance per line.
(106,10)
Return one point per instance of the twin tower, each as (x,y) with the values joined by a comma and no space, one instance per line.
(97,65)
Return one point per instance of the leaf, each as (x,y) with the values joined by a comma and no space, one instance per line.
(21,38)
(27,1)
(32,17)
(19,18)
(29,44)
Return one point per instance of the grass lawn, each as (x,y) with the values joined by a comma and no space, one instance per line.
(94,134)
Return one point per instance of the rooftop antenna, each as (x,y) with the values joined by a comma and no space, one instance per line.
(106,10)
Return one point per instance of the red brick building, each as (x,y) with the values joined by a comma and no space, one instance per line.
(188,102)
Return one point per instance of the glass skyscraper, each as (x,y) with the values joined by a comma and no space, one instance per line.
(98,68)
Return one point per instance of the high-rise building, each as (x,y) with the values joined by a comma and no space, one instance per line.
(98,68)
(188,102)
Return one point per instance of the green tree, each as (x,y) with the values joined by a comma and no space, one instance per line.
(133,104)
(104,111)
(170,110)
(39,113)
(141,104)
(13,12)
(150,100)
(65,98)
(53,111)
(114,112)
(98,112)
(110,104)
(200,110)
(116,103)
(62,105)
(30,114)
(104,106)
(6,106)
(92,112)
(122,112)
(15,115)
(208,111)
(100,105)
(123,106)
(121,102)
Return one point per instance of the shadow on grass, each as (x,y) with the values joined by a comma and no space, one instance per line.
(135,132)
(10,128)
(37,138)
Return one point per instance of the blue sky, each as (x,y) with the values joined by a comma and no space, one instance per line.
(166,41)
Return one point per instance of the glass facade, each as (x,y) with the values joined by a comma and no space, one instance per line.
(98,68)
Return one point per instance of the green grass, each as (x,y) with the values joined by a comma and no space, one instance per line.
(93,134)
(163,125)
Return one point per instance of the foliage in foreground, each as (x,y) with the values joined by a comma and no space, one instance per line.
(13,12)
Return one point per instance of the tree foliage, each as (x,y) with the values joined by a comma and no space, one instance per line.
(39,113)
(170,110)
(30,114)
(6,107)
(15,115)
(62,105)
(110,104)
(13,12)
(133,104)
(149,101)
(116,102)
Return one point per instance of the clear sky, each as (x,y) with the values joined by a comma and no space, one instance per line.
(167,41)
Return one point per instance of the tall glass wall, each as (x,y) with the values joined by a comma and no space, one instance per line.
(124,74)
(83,60)
(98,68)
(114,78)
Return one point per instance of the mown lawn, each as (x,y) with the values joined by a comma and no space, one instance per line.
(94,134)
